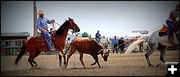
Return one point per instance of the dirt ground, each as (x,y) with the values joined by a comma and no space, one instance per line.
(117,65)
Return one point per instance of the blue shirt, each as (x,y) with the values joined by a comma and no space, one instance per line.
(98,35)
(115,41)
(42,23)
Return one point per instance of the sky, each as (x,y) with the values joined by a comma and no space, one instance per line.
(109,17)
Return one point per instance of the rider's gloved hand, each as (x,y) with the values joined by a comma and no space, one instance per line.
(44,31)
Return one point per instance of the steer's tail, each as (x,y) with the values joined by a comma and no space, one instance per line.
(68,47)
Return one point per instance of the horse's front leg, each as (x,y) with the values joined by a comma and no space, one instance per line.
(64,56)
(60,59)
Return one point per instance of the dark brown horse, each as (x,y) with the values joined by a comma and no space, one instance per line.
(36,45)
(87,46)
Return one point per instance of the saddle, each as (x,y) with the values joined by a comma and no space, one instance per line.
(163,31)
(41,41)
(42,38)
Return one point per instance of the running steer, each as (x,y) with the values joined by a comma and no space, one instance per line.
(87,46)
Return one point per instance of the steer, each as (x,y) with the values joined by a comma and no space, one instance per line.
(87,46)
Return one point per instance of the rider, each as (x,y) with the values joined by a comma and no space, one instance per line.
(43,27)
(171,22)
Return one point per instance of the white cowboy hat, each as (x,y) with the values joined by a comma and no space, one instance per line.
(41,12)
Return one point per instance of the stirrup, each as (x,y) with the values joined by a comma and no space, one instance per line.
(53,49)
(172,42)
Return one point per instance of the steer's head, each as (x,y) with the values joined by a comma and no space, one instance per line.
(104,53)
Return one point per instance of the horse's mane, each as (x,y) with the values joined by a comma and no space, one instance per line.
(62,28)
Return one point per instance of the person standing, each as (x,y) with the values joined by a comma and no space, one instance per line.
(115,44)
(98,35)
(171,22)
(76,37)
(121,44)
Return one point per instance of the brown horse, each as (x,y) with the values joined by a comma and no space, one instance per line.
(87,46)
(36,45)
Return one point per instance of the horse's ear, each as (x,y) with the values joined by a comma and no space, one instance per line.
(70,19)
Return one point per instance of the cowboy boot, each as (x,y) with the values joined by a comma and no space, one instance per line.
(172,41)
(53,49)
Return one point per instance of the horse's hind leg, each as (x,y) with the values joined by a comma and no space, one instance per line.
(162,53)
(36,65)
(150,51)
(30,61)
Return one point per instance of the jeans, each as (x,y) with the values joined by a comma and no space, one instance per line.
(171,28)
(48,38)
(98,39)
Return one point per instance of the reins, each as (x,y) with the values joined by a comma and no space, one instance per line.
(61,25)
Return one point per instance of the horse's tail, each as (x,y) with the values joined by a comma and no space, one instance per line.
(68,47)
(22,51)
(133,45)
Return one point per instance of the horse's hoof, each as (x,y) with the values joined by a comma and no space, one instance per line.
(151,65)
(157,65)
(37,67)
(63,68)
(85,67)
(60,65)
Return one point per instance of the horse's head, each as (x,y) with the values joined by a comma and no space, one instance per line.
(72,25)
(104,53)
(163,31)
(68,24)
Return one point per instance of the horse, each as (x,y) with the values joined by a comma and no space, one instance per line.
(87,46)
(154,41)
(35,45)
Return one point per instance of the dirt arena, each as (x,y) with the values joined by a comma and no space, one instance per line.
(117,65)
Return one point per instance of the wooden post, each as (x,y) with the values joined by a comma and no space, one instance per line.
(35,18)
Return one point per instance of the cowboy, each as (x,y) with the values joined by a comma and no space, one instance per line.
(98,39)
(171,22)
(115,44)
(43,27)
(121,44)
